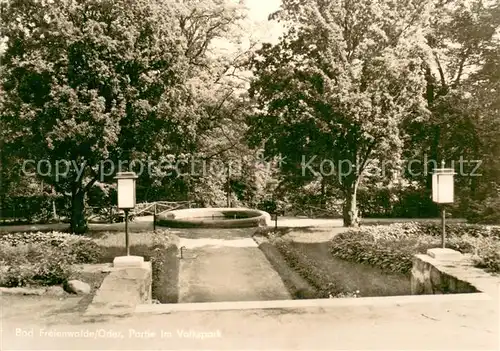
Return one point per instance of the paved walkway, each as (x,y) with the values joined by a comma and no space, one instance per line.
(225,265)
(462,325)
(298,222)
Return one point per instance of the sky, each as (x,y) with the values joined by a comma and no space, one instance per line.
(258,29)
(260,9)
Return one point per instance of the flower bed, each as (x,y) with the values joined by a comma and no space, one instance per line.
(42,258)
(31,259)
(391,247)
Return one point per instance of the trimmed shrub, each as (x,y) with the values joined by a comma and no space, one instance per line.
(459,230)
(418,229)
(392,247)
(84,251)
(487,256)
(390,255)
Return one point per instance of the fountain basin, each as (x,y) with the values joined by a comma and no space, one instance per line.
(214,218)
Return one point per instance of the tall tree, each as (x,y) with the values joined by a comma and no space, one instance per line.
(462,86)
(92,80)
(335,90)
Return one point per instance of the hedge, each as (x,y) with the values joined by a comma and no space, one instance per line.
(392,247)
(165,266)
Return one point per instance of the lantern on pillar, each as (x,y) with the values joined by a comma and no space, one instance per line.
(126,198)
(443,192)
(126,190)
(443,185)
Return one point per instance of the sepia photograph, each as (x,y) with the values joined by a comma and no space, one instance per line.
(249,175)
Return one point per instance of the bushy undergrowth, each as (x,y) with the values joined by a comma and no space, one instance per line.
(81,249)
(43,258)
(38,259)
(47,258)
(391,247)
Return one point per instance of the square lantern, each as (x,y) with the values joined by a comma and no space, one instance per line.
(126,189)
(443,185)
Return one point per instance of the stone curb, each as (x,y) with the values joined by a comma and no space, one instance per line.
(311,303)
(48,291)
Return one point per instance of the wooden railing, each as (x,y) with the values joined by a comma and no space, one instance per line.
(158,207)
(141,209)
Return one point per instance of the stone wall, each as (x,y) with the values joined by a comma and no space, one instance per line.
(122,290)
(445,271)
(429,276)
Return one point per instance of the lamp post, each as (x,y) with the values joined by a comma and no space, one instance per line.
(443,193)
(228,186)
(274,205)
(126,198)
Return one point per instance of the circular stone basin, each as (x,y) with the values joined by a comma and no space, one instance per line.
(214,218)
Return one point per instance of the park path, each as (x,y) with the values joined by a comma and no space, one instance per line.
(225,265)
(146,223)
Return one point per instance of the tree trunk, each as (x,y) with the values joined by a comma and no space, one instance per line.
(323,194)
(78,220)
(350,210)
(54,210)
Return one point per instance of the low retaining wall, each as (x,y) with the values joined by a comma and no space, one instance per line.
(433,276)
(122,290)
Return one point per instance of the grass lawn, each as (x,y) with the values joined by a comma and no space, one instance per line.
(352,276)
(296,285)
